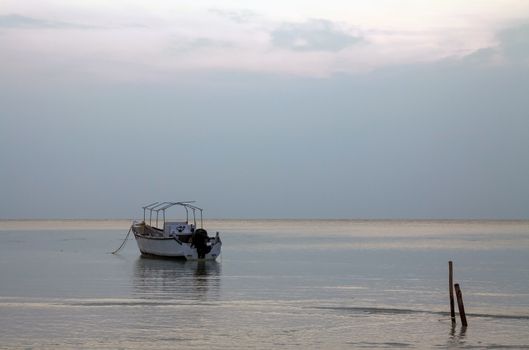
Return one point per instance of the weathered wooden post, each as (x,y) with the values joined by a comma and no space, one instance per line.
(460,305)
(451,292)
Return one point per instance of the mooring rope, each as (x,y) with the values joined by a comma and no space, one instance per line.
(124,241)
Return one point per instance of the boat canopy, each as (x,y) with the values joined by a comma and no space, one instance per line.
(158,207)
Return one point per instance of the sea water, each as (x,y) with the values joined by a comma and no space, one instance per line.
(303,284)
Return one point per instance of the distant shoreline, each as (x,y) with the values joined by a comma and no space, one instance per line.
(118,224)
(64,224)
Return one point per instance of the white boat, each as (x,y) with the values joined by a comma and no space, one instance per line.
(175,239)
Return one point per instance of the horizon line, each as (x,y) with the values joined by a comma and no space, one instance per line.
(278,218)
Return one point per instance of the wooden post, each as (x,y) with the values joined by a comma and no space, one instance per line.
(460,305)
(451,292)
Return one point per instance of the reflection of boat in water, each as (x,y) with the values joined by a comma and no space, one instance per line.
(175,239)
(180,279)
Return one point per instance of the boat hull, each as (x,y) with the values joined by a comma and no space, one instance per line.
(171,247)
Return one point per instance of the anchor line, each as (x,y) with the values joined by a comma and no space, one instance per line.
(124,241)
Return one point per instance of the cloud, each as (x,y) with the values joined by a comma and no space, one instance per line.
(482,57)
(18,21)
(154,46)
(199,44)
(514,43)
(237,16)
(313,35)
(512,47)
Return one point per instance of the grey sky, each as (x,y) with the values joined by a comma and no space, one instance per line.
(442,138)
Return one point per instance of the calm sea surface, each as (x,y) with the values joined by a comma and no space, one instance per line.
(278,284)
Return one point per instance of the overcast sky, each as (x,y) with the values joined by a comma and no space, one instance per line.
(265,109)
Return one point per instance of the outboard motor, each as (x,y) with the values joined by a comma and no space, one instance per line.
(200,241)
